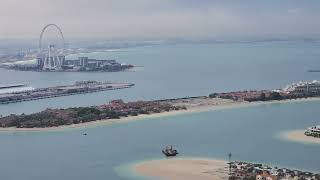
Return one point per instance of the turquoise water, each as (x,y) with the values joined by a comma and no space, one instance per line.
(170,71)
(181,70)
(246,132)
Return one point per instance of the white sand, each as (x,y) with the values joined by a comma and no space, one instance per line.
(184,169)
(298,136)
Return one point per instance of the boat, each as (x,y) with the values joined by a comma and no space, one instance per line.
(169,151)
(313,131)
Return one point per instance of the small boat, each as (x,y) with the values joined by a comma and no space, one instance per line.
(169,151)
(84,134)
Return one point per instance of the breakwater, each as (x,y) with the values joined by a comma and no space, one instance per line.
(12,86)
(82,87)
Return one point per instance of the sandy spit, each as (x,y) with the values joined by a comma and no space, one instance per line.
(184,169)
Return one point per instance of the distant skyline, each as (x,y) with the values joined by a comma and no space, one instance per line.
(157,19)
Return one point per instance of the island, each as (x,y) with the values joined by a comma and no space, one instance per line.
(53,58)
(208,169)
(58,117)
(61,64)
(121,111)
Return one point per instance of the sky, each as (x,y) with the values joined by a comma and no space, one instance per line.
(157,19)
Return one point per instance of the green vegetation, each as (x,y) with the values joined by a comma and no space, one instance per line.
(113,110)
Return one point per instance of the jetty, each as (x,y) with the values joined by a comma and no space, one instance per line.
(80,87)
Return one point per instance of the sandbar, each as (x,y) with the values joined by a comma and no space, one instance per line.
(183,169)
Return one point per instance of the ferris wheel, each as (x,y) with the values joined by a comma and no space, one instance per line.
(52,57)
(56,27)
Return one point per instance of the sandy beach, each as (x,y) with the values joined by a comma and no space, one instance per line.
(184,169)
(298,136)
(196,105)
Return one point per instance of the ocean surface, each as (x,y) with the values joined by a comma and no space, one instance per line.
(168,71)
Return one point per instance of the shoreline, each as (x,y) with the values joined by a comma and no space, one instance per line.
(183,169)
(298,136)
(191,108)
(190,168)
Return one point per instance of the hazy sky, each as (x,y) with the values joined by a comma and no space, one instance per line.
(162,18)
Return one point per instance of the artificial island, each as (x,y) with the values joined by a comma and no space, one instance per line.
(54,62)
(208,169)
(121,110)
(53,58)
(179,168)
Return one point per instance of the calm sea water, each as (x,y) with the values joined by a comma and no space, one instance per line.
(170,71)
(181,70)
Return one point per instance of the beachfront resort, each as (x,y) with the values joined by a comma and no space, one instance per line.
(302,89)
(243,170)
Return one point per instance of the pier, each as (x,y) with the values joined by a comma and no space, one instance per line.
(80,87)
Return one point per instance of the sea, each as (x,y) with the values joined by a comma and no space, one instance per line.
(169,71)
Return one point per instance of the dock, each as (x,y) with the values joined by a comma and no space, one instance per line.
(80,87)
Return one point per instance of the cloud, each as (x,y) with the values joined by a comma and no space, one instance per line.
(159,18)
